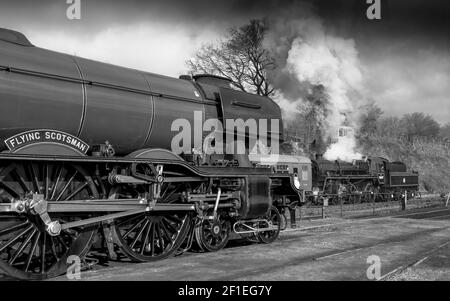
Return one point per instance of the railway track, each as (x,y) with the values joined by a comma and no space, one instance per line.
(353,251)
(414,263)
(431,215)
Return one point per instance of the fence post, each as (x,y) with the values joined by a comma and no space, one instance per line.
(353,199)
(324,204)
(405,201)
(373,196)
(448,198)
(341,205)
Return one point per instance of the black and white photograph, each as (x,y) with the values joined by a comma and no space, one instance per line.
(224,147)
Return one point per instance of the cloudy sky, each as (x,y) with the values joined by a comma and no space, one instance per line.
(405,57)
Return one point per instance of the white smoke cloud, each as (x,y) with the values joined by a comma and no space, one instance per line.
(288,108)
(343,149)
(316,57)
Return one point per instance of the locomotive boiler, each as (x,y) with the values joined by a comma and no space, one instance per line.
(86,151)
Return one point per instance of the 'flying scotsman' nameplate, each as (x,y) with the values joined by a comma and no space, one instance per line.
(46,136)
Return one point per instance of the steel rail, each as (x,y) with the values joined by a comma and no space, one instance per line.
(423,257)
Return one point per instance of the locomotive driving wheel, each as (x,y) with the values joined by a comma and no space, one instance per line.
(275,219)
(27,250)
(371,192)
(213,234)
(150,236)
(354,196)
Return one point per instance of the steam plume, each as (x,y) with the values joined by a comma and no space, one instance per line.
(313,56)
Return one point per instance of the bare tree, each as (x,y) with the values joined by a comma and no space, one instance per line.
(240,56)
(445,131)
(420,125)
(311,117)
(369,120)
(389,127)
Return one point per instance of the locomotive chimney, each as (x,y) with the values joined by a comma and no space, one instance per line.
(186,77)
(214,80)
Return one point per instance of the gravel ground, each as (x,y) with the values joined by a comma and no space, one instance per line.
(435,267)
(331,249)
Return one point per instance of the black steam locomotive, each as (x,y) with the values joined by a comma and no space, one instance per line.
(362,180)
(86,148)
(336,182)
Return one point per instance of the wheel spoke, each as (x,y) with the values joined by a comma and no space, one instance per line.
(174,219)
(58,177)
(134,227)
(16,238)
(15,174)
(66,186)
(53,248)
(32,251)
(61,240)
(13,228)
(165,231)
(43,249)
(47,180)
(170,224)
(76,191)
(166,198)
(22,247)
(34,179)
(128,219)
(161,241)
(165,191)
(9,189)
(146,237)
(152,251)
(139,234)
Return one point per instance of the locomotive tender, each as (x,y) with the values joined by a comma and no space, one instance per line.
(85,154)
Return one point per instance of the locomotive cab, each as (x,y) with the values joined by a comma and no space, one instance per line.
(378,168)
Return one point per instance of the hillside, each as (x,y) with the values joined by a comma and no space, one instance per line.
(431,158)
